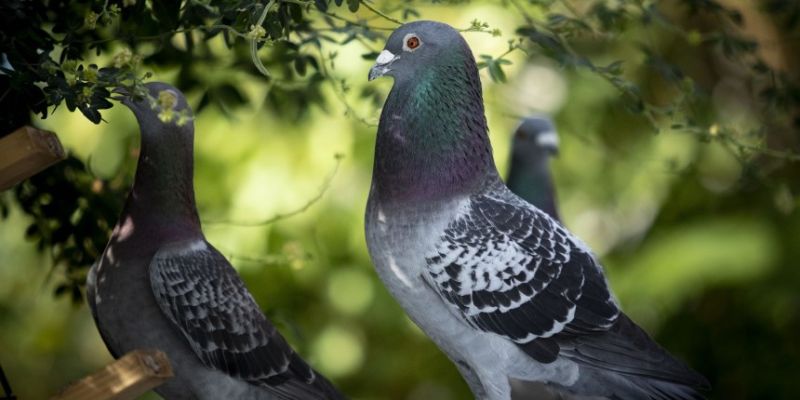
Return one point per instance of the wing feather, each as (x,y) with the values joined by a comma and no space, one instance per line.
(201,293)
(510,269)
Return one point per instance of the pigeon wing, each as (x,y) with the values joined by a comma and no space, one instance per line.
(508,268)
(201,293)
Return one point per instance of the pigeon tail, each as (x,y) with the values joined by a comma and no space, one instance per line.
(310,384)
(316,388)
(631,365)
(327,388)
(598,384)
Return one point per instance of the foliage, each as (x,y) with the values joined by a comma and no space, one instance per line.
(47,44)
(72,214)
(663,61)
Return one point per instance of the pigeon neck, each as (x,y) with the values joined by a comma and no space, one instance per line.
(432,139)
(162,198)
(530,179)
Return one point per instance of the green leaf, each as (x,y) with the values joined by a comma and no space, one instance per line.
(167,12)
(91,114)
(61,289)
(273,25)
(300,65)
(496,72)
(555,19)
(370,56)
(615,68)
(296,12)
(322,5)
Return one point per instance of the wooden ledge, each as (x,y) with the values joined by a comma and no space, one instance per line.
(26,152)
(127,378)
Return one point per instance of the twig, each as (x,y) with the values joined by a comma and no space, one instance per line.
(339,92)
(277,217)
(269,259)
(380,13)
(511,49)
(170,33)
(298,2)
(360,24)
(522,11)
(762,150)
(254,42)
(349,110)
(571,9)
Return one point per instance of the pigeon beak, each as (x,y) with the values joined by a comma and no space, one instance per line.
(549,141)
(382,63)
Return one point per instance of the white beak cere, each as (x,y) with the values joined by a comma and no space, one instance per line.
(547,139)
(385,57)
(382,63)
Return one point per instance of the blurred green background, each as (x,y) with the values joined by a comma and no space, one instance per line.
(700,243)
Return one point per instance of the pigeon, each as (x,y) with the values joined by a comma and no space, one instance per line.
(503,289)
(535,141)
(159,283)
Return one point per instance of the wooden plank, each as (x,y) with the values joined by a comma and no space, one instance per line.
(127,378)
(26,152)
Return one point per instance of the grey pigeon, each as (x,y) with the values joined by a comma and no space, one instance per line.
(501,287)
(160,284)
(535,141)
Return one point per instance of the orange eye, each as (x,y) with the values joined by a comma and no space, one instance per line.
(412,42)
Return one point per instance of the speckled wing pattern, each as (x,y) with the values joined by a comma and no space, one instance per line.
(508,268)
(203,296)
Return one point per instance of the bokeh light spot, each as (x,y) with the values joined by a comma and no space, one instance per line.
(350,291)
(339,351)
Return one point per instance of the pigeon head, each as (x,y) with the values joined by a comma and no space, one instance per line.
(158,106)
(535,136)
(432,136)
(417,47)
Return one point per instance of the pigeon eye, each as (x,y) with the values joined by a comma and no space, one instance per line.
(411,42)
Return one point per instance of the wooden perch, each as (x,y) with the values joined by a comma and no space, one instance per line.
(26,152)
(127,378)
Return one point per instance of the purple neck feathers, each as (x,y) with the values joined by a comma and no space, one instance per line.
(161,202)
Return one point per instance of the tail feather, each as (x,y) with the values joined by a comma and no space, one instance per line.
(318,388)
(330,391)
(658,390)
(305,384)
(608,385)
(631,365)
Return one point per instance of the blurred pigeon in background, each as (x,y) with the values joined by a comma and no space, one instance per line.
(535,141)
